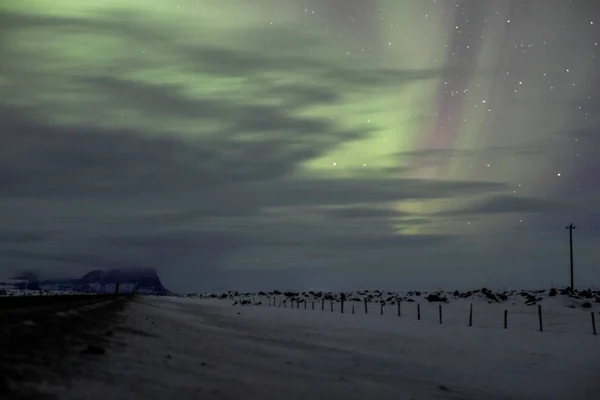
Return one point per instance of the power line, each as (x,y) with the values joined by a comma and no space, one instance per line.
(570,227)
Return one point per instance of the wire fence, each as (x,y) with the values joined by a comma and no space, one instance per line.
(509,314)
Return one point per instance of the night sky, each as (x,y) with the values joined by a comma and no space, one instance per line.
(302,144)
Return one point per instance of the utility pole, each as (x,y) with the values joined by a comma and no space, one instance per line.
(570,228)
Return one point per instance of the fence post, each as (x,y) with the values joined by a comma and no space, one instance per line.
(305,304)
(399,309)
(419,311)
(540,317)
(365,300)
(593,324)
(341,306)
(292,303)
(505,319)
(284,303)
(440,310)
(331,304)
(322,304)
(471,315)
(381,308)
(352,308)
(313,304)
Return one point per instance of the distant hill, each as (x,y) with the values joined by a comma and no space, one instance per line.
(144,280)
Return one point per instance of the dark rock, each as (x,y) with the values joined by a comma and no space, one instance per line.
(94,350)
(566,291)
(587,304)
(489,295)
(436,298)
(530,300)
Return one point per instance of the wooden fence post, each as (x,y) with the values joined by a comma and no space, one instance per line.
(540,317)
(505,319)
(381,308)
(365,300)
(440,310)
(323,304)
(341,306)
(419,311)
(352,308)
(313,304)
(471,315)
(305,304)
(399,309)
(331,304)
(593,324)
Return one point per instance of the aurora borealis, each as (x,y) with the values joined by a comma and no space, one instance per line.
(301,143)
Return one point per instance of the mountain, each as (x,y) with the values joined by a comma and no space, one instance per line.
(144,280)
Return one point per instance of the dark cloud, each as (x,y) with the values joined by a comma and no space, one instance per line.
(499,204)
(20,237)
(365,212)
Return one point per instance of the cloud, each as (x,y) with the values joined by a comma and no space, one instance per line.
(501,204)
(364,212)
(201,144)
(443,156)
(20,237)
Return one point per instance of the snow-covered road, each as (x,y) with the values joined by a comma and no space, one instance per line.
(174,348)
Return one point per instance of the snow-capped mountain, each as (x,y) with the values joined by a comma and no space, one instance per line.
(144,280)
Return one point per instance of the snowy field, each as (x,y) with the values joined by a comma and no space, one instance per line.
(191,348)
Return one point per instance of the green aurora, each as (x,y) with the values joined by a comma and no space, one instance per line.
(395,91)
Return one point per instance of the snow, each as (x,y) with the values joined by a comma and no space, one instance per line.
(190,348)
(8,291)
